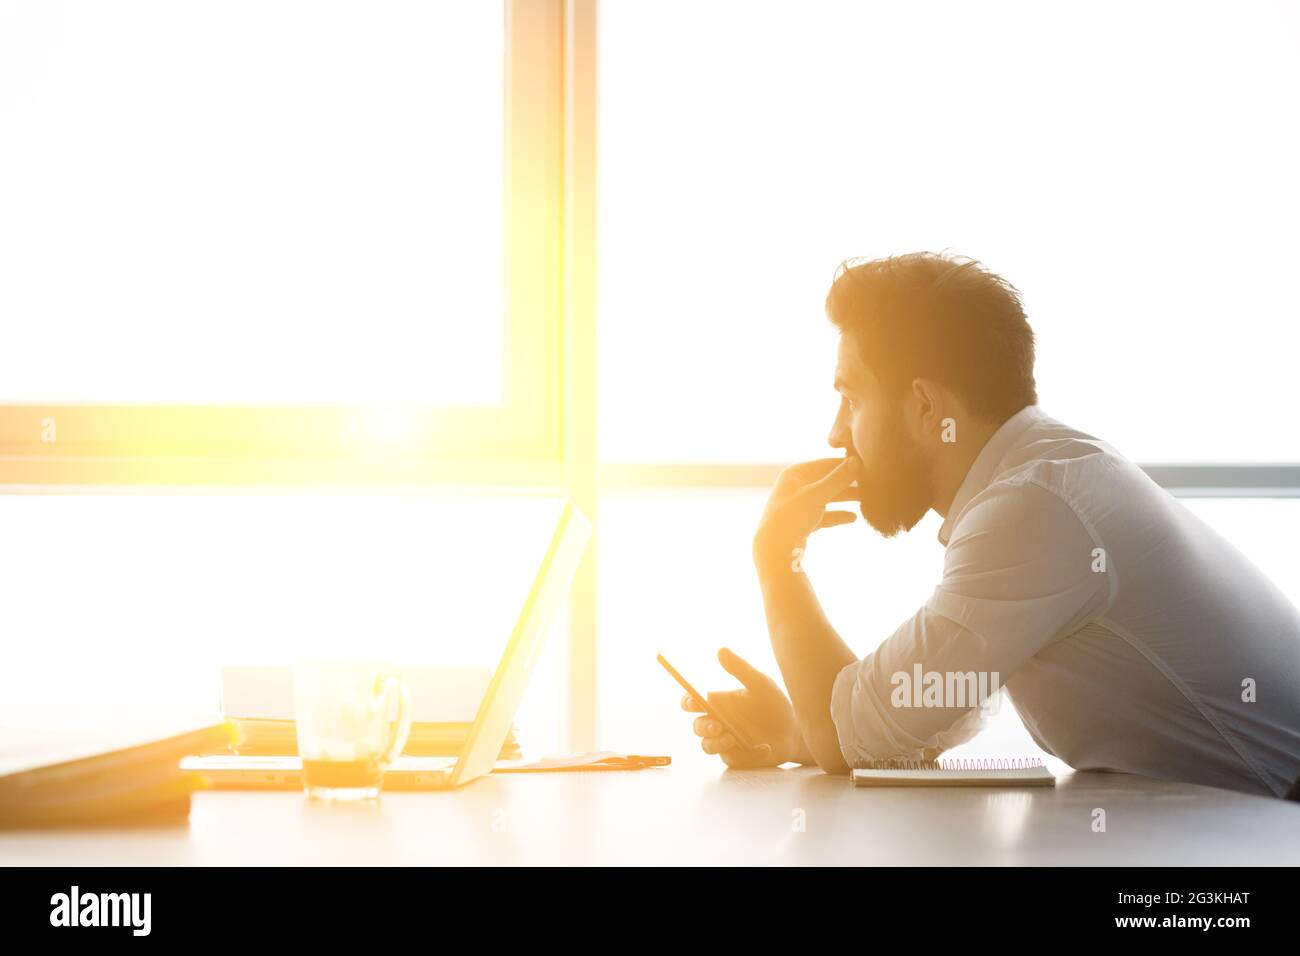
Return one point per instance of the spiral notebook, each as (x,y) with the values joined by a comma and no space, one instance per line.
(955,772)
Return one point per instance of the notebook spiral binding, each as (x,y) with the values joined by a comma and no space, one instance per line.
(956,763)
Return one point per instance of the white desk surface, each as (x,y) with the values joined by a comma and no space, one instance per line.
(698,812)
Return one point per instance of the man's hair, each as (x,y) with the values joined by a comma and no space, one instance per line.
(947,318)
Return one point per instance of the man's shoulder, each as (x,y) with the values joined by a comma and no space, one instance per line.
(1054,475)
(1029,502)
(1072,464)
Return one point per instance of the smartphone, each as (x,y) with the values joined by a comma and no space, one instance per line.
(703,701)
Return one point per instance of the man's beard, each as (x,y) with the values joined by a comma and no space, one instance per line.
(896,493)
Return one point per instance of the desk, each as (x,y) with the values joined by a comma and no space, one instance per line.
(698,812)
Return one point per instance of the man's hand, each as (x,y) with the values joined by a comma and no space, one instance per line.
(760,711)
(797,505)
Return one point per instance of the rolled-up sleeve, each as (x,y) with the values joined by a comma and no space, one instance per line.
(1020,571)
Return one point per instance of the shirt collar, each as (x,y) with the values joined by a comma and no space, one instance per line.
(983,469)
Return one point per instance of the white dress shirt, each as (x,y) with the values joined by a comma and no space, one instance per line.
(1124,629)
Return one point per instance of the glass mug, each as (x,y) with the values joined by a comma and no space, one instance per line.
(353,719)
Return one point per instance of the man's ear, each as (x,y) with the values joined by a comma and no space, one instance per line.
(930,407)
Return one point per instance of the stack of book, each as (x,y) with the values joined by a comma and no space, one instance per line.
(57,776)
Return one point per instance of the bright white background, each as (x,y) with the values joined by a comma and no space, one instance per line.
(248,201)
(127,605)
(1130,166)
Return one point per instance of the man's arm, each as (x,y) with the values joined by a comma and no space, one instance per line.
(1018,573)
(808,650)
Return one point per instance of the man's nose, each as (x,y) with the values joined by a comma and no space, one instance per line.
(841,435)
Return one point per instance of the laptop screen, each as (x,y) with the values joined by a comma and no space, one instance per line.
(549,590)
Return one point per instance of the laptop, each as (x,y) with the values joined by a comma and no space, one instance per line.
(496,712)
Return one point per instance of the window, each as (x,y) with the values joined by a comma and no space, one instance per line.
(125,606)
(278,241)
(1122,163)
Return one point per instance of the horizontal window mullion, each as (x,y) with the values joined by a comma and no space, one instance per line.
(1183,480)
